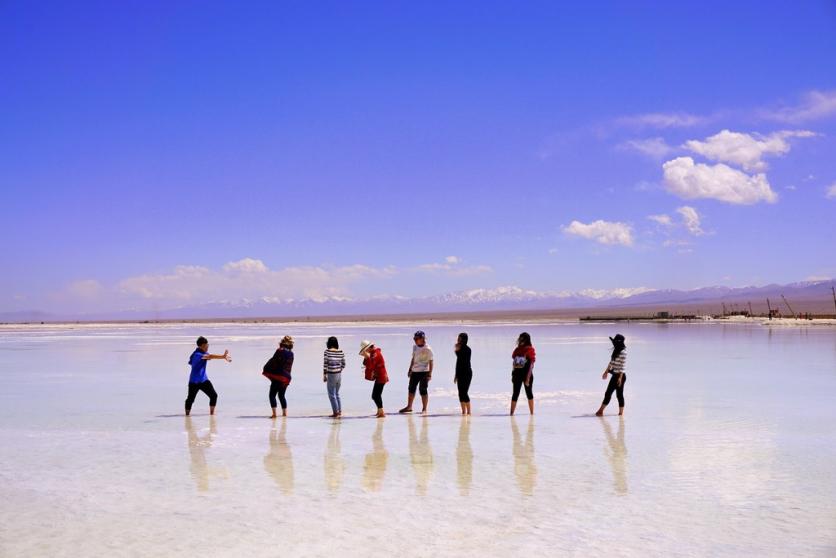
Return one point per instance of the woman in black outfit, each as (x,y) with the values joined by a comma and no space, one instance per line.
(464,372)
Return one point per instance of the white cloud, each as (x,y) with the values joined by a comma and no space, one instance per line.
(656,148)
(688,180)
(815,105)
(662,219)
(661,120)
(691,220)
(452,266)
(246,279)
(604,232)
(831,191)
(746,150)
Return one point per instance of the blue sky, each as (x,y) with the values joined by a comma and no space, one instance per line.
(158,154)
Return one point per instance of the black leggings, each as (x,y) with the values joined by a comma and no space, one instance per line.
(463,383)
(377,394)
(418,380)
(280,388)
(207,388)
(614,387)
(518,381)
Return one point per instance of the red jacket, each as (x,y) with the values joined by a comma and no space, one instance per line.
(376,367)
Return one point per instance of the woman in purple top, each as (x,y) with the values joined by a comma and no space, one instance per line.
(198,380)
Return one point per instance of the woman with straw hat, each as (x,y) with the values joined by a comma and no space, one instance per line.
(375,370)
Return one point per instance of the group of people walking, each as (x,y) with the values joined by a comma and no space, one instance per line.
(279,367)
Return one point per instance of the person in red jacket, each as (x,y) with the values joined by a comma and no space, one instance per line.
(375,369)
(523,372)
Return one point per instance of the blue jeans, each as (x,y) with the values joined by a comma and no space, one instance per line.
(334,381)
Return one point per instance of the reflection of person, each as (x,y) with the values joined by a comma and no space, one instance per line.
(420,372)
(277,370)
(198,381)
(421,455)
(375,371)
(525,468)
(197,452)
(279,460)
(464,372)
(464,458)
(374,464)
(334,462)
(523,358)
(616,452)
(618,377)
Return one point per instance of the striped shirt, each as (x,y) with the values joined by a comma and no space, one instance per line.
(617,364)
(334,361)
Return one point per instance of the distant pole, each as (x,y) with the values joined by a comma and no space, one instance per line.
(832,290)
(788,306)
(750,309)
(724,309)
(769,307)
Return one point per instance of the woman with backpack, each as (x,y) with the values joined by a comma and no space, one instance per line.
(277,370)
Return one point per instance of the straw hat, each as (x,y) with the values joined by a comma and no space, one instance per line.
(365,344)
(287,341)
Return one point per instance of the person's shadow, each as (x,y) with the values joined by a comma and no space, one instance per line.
(375,462)
(525,467)
(464,458)
(616,452)
(279,460)
(421,455)
(334,462)
(197,452)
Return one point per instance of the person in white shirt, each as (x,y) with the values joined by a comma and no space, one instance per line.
(420,372)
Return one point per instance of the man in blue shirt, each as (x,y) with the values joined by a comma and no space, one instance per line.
(197,379)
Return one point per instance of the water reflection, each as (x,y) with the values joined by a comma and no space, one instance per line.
(197,452)
(525,467)
(616,452)
(464,458)
(334,461)
(374,464)
(421,455)
(279,460)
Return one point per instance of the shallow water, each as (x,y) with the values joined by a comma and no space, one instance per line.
(728,446)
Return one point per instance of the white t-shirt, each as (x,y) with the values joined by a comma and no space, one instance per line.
(421,358)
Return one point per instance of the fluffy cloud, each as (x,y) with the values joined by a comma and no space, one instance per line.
(831,192)
(452,266)
(815,105)
(690,180)
(661,120)
(652,147)
(604,232)
(746,150)
(691,220)
(662,219)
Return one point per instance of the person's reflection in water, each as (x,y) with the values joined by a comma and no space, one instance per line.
(334,462)
(616,452)
(197,452)
(525,468)
(279,460)
(421,455)
(464,457)
(374,465)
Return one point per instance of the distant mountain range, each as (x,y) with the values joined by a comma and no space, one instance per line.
(805,295)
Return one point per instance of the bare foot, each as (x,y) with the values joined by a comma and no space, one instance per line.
(380,414)
(599,414)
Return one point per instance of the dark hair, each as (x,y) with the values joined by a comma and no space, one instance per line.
(463,338)
(201,341)
(618,346)
(332,343)
(524,340)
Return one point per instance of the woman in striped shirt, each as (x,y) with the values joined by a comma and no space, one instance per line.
(618,377)
(332,368)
